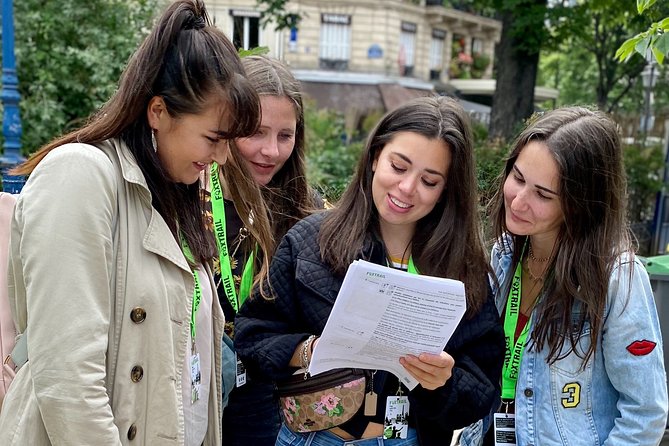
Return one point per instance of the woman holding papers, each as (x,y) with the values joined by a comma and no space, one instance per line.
(412,206)
(585,362)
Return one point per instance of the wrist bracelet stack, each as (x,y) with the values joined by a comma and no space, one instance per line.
(307,348)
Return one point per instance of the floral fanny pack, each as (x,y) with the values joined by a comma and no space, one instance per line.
(322,401)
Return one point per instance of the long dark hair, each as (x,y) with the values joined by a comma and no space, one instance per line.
(185,60)
(595,232)
(447,241)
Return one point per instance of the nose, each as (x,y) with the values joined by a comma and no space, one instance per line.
(270,147)
(408,185)
(221,152)
(519,201)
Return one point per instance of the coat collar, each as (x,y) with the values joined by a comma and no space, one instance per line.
(158,238)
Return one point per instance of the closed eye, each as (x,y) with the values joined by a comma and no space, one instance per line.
(429,183)
(543,196)
(397,168)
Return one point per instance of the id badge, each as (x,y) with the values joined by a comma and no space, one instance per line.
(241,372)
(396,424)
(195,376)
(505,429)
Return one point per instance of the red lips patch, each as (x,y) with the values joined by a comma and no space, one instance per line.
(641,348)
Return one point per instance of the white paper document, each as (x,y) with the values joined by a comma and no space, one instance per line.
(382,314)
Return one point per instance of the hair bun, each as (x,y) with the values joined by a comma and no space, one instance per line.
(195,22)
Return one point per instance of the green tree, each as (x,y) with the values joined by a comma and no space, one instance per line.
(655,38)
(70,55)
(583,64)
(275,10)
(523,34)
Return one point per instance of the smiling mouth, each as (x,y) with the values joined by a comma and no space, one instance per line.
(399,204)
(516,217)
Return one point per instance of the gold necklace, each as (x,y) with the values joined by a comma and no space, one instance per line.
(534,277)
(541,260)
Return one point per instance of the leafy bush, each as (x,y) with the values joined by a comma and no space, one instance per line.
(69,58)
(330,162)
(643,166)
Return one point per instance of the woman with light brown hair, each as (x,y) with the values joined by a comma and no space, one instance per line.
(274,158)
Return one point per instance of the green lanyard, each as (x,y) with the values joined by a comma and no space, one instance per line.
(227,279)
(411,268)
(513,356)
(197,290)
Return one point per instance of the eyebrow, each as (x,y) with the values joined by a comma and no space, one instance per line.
(432,171)
(538,186)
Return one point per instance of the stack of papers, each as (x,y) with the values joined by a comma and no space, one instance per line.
(382,314)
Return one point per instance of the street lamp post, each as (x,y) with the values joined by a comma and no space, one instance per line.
(648,79)
(11,122)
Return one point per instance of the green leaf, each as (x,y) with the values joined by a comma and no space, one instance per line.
(257,51)
(627,48)
(659,55)
(642,5)
(664,24)
(662,44)
(642,45)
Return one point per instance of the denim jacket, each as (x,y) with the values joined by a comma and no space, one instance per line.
(618,398)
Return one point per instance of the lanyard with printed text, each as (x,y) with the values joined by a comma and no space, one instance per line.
(513,354)
(227,279)
(197,290)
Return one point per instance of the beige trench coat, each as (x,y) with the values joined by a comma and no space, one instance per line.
(106,293)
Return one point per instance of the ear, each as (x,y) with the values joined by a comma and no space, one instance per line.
(375,162)
(156,111)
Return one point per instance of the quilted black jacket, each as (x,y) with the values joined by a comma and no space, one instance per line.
(268,332)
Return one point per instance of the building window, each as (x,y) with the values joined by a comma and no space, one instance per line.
(437,54)
(335,49)
(245,28)
(407,48)
(477,46)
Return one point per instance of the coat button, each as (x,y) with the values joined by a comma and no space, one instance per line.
(136,374)
(132,432)
(528,392)
(138,314)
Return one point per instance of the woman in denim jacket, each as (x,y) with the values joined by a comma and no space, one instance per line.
(590,371)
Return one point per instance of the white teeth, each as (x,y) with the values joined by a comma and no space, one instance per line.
(398,203)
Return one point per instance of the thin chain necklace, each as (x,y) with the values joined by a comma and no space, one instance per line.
(541,260)
(534,277)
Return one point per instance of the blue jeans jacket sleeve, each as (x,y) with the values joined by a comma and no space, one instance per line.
(633,358)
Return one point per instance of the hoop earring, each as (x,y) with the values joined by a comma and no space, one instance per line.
(154,144)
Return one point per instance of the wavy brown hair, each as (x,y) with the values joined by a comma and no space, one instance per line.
(185,60)
(447,241)
(586,147)
(287,196)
